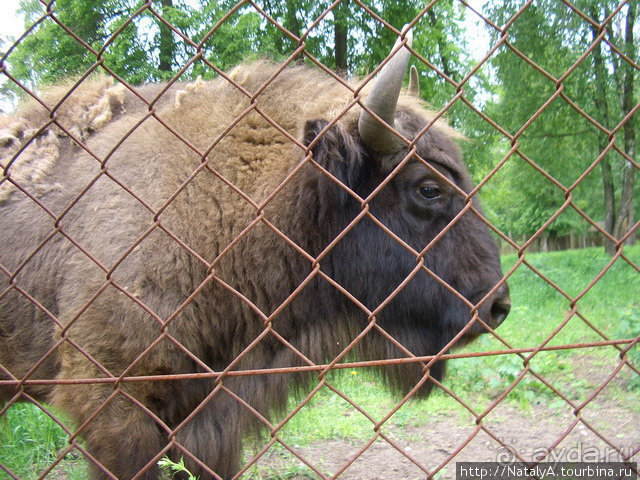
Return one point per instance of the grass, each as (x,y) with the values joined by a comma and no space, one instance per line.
(612,306)
(30,440)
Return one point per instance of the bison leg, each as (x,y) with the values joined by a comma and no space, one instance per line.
(26,337)
(122,437)
(214,437)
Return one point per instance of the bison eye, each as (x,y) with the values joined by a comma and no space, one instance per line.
(430,193)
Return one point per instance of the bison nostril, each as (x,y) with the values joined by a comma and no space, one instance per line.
(499,310)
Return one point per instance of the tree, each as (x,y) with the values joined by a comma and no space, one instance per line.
(566,138)
(630,76)
(75,38)
(616,221)
(341,35)
(165,40)
(139,45)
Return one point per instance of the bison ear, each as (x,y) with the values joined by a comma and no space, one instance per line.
(337,152)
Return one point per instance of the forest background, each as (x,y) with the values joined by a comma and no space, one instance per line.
(566,179)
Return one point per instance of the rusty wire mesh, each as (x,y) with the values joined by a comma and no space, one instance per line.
(482,421)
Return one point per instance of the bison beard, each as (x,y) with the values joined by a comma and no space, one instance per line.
(194,277)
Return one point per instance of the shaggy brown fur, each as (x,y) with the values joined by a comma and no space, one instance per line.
(129,249)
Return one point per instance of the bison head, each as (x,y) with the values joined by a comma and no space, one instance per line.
(413,249)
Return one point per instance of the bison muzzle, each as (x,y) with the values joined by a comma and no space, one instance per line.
(262,220)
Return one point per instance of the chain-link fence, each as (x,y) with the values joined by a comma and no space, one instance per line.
(207,270)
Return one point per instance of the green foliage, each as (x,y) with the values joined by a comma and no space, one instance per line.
(127,40)
(50,52)
(548,40)
(288,468)
(538,309)
(19,434)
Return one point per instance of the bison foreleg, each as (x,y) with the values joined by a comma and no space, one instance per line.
(214,437)
(121,436)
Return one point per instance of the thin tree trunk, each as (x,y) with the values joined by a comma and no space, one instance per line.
(292,24)
(442,46)
(600,100)
(341,31)
(167,45)
(625,213)
(609,200)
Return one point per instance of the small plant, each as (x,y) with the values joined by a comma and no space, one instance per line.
(169,465)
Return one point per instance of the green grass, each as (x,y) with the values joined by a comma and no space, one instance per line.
(29,440)
(612,306)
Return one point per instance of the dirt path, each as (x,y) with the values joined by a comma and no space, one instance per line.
(605,429)
(526,432)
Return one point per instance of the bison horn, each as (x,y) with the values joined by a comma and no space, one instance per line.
(414,82)
(383,100)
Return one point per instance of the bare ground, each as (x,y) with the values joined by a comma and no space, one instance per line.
(606,429)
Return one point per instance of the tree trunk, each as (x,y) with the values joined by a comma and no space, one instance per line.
(341,31)
(625,212)
(292,24)
(609,200)
(166,44)
(442,46)
(600,100)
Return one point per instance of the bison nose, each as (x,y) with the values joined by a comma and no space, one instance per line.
(500,307)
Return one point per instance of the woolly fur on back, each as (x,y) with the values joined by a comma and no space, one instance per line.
(238,123)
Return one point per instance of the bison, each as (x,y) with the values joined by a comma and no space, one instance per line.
(262,220)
